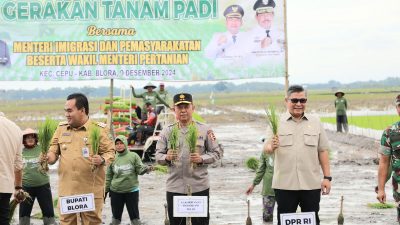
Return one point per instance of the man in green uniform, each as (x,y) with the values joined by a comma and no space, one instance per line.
(164,95)
(71,145)
(149,96)
(180,175)
(341,107)
(390,153)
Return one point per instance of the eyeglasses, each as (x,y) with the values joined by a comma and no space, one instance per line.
(296,100)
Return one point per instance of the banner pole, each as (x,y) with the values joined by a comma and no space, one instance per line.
(286,48)
(111,107)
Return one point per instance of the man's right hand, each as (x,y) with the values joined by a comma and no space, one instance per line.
(171,155)
(51,157)
(271,145)
(250,189)
(381,196)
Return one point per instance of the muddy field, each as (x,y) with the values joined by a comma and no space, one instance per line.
(353,171)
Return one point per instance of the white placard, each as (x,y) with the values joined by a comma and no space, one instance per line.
(307,218)
(190,206)
(77,203)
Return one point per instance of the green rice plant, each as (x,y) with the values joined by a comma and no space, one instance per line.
(252,163)
(159,169)
(272,118)
(94,141)
(45,134)
(381,205)
(191,137)
(173,141)
(21,196)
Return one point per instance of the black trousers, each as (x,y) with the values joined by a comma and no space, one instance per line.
(288,201)
(4,208)
(118,200)
(44,198)
(341,121)
(182,220)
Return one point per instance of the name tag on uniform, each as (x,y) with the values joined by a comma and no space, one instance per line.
(85,152)
(190,206)
(77,203)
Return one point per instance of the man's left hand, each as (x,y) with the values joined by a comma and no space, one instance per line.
(96,160)
(325,187)
(195,158)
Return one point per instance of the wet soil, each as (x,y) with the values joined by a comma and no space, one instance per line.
(353,170)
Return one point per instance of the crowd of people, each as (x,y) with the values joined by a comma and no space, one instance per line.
(300,140)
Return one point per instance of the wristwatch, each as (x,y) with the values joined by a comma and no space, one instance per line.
(328,178)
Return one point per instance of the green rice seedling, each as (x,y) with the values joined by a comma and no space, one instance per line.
(159,169)
(381,205)
(21,196)
(94,141)
(45,134)
(173,141)
(252,163)
(191,138)
(272,118)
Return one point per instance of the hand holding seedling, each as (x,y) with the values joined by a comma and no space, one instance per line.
(195,158)
(381,196)
(96,160)
(171,155)
(51,157)
(271,145)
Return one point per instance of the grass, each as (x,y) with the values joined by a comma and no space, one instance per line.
(372,122)
(381,205)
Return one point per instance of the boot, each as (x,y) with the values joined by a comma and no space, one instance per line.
(115,222)
(25,220)
(136,222)
(49,221)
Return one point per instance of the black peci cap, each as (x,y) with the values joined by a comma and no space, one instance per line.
(182,98)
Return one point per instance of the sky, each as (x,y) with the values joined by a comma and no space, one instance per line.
(343,40)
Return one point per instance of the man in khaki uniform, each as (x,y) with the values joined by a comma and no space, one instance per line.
(71,145)
(300,148)
(179,162)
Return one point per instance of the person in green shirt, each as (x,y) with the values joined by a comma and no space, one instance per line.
(37,184)
(164,95)
(265,173)
(122,182)
(149,96)
(341,107)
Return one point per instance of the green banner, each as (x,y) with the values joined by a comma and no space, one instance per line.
(178,40)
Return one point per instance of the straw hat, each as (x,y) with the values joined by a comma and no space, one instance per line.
(339,91)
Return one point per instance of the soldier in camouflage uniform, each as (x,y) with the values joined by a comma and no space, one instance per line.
(390,154)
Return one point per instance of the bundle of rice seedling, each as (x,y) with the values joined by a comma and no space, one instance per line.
(94,141)
(272,119)
(159,169)
(381,205)
(20,197)
(252,163)
(173,141)
(191,138)
(45,134)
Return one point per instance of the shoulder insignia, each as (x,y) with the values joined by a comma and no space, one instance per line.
(63,123)
(100,124)
(211,135)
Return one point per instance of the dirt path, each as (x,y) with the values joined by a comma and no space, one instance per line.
(354,177)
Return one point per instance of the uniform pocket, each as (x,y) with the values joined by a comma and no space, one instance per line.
(286,139)
(310,138)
